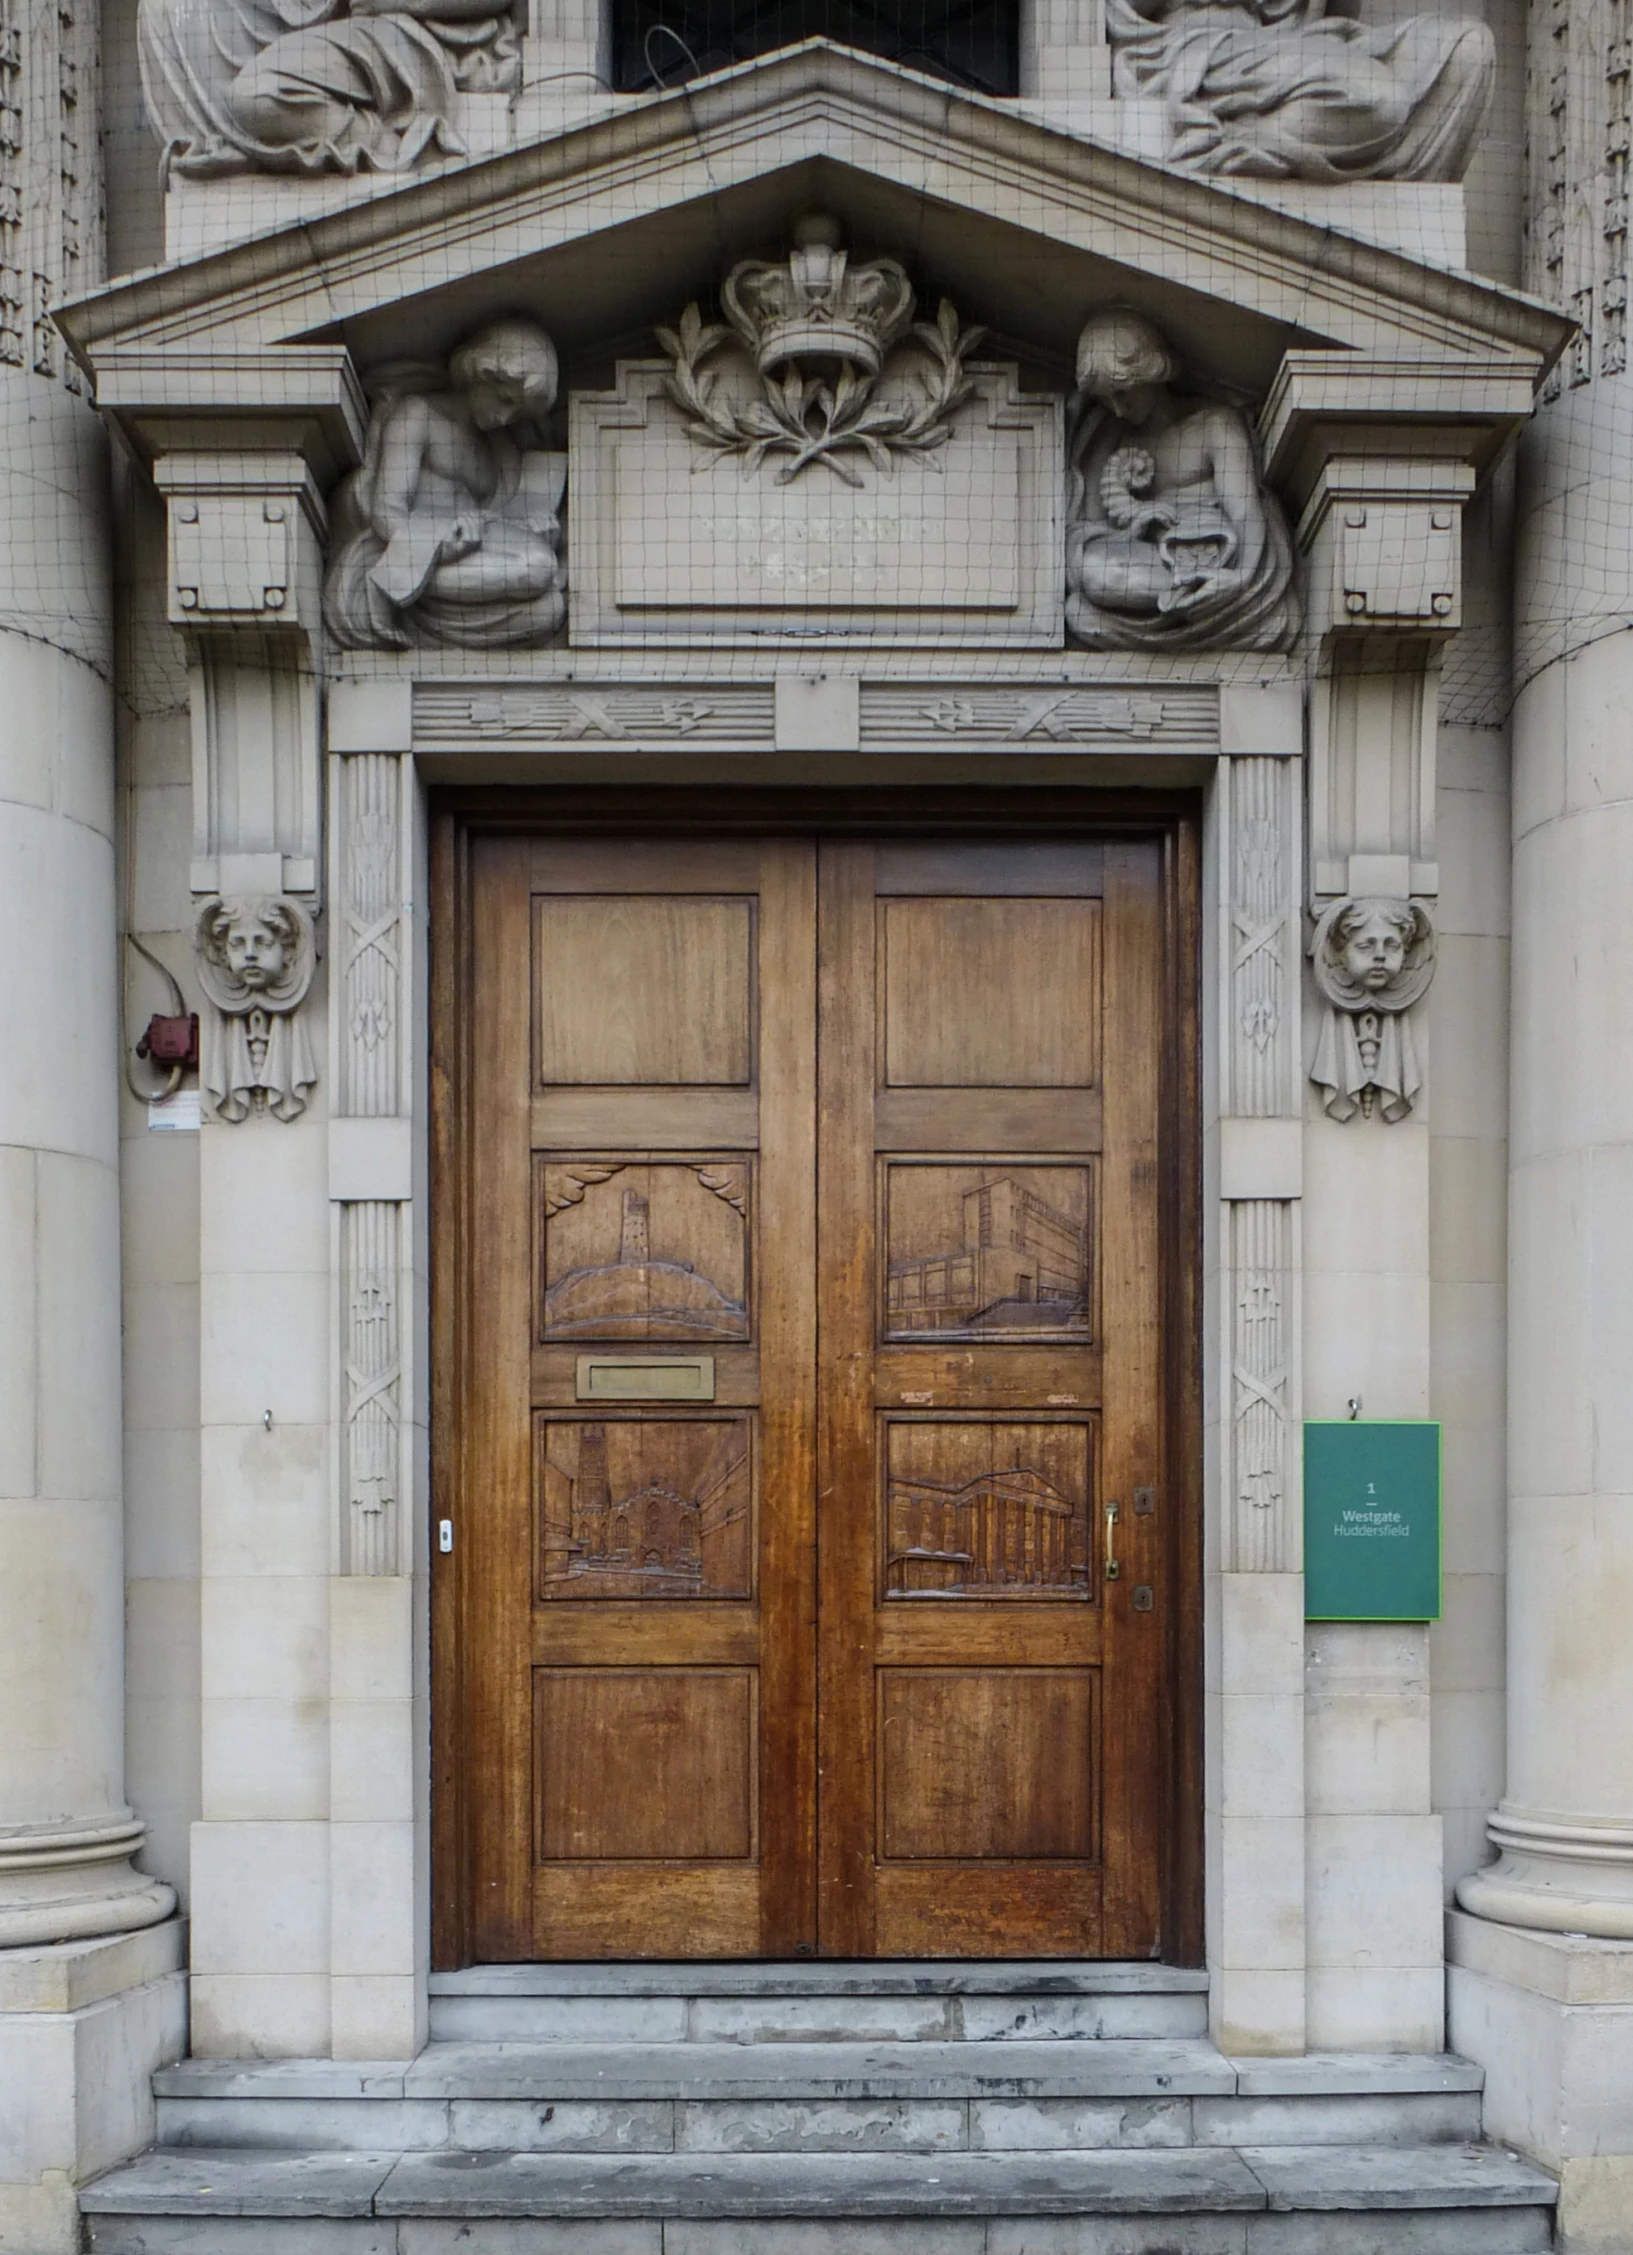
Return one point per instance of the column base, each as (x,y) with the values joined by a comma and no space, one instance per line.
(83,2025)
(1557,1877)
(71,1882)
(1550,2019)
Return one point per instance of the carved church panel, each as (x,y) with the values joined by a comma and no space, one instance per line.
(995,1251)
(990,1511)
(990,993)
(644,1507)
(657,1251)
(643,990)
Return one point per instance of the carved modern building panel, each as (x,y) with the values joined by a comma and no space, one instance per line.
(999,1250)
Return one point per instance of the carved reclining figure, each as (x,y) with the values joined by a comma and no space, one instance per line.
(1280,90)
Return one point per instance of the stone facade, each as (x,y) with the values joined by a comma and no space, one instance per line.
(491,427)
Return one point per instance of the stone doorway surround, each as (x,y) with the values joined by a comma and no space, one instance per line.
(1387,386)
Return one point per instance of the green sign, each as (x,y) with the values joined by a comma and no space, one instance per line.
(1371,1522)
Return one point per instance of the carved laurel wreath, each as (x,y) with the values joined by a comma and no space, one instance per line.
(814,421)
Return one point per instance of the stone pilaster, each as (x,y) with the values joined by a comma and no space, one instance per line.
(379,1918)
(1256,1812)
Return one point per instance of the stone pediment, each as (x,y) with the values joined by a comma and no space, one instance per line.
(605,228)
(602,235)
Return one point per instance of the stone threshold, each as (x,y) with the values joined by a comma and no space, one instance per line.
(827,1978)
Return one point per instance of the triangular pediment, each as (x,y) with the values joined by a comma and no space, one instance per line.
(612,225)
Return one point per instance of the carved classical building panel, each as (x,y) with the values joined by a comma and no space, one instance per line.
(655,1251)
(987,1511)
(644,1508)
(997,1250)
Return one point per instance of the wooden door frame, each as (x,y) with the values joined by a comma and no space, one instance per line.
(1172,818)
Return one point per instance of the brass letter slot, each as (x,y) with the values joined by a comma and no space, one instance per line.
(651,1378)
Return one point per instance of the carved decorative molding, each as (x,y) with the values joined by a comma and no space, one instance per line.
(1372,959)
(371,1404)
(1262,1515)
(1263,937)
(256,956)
(596,713)
(368,923)
(819,361)
(246,534)
(1036,713)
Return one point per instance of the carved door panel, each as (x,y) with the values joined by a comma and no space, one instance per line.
(990,1379)
(808,1325)
(640,1348)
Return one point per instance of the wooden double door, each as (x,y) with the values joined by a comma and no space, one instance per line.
(806,1314)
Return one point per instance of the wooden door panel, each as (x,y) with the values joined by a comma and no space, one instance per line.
(630,1007)
(645,991)
(979,993)
(648,1764)
(988,1194)
(844,1160)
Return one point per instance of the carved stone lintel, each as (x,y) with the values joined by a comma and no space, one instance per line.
(256,956)
(1372,959)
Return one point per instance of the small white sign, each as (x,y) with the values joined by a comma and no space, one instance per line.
(178,1111)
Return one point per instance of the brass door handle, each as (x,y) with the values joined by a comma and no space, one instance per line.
(1113,1569)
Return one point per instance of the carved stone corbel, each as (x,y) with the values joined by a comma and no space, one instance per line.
(1372,959)
(246,540)
(256,956)
(1385,541)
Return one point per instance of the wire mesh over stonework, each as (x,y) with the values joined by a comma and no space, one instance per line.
(663,42)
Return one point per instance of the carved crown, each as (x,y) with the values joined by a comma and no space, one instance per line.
(816,305)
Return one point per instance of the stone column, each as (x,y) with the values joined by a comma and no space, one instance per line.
(71,2042)
(66,1835)
(1541,1984)
(1541,1977)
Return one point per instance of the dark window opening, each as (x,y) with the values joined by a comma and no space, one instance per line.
(973,43)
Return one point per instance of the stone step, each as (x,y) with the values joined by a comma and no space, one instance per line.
(1253,2200)
(826,2003)
(725,2098)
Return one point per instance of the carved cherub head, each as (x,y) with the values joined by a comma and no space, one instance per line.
(1373,954)
(508,373)
(254,952)
(1124,361)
